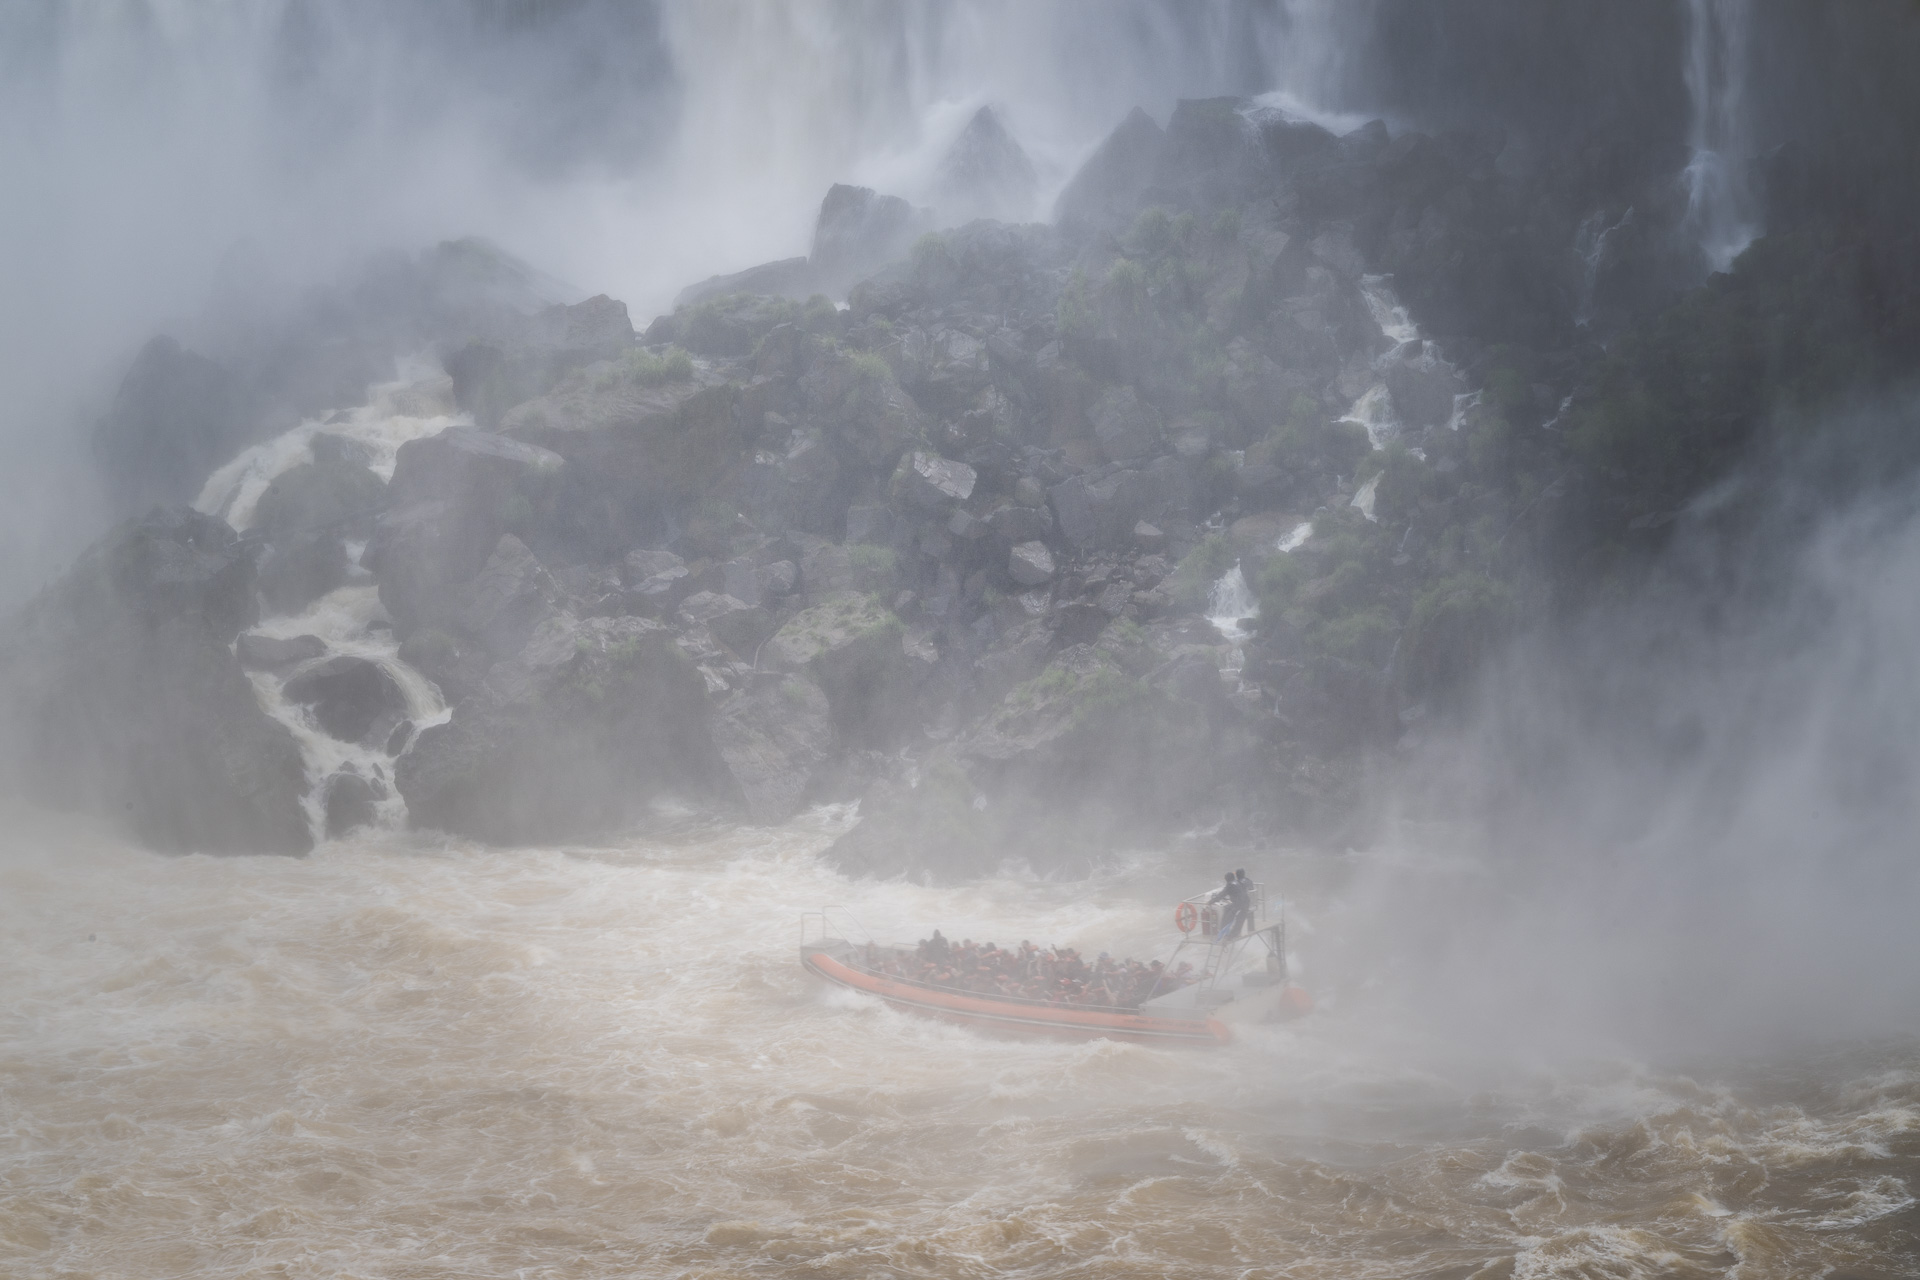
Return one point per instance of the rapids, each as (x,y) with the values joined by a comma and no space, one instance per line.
(403,1057)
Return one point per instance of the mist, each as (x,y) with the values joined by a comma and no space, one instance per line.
(508,503)
(169,159)
(1680,820)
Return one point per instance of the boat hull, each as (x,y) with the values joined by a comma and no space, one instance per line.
(1017,1018)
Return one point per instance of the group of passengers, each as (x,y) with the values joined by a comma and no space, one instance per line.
(1056,975)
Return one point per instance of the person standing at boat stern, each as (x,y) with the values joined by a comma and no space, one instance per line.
(1238,895)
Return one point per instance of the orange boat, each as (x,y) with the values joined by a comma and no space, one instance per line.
(1199,1013)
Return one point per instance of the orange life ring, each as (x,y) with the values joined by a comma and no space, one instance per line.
(1185,916)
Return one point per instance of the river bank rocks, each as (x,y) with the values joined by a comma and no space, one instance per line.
(937,520)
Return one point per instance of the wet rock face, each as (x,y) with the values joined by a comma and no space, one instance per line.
(451,497)
(1106,192)
(266,653)
(858,232)
(851,647)
(986,174)
(352,699)
(126,702)
(574,736)
(776,737)
(507,600)
(1127,428)
(306,515)
(930,481)
(1030,564)
(349,803)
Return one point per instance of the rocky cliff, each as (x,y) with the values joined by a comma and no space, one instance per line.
(1191,507)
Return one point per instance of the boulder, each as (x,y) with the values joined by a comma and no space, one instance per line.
(352,699)
(1102,513)
(299,570)
(869,419)
(306,514)
(1022,523)
(574,737)
(852,648)
(176,417)
(649,562)
(349,803)
(858,232)
(269,653)
(124,698)
(775,736)
(929,481)
(1030,564)
(788,278)
(1127,427)
(641,441)
(510,596)
(734,623)
(781,578)
(457,667)
(492,376)
(340,496)
(735,323)
(451,497)
(1105,193)
(985,174)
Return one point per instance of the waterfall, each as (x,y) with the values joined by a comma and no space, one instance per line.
(1590,243)
(1231,604)
(1722,211)
(349,620)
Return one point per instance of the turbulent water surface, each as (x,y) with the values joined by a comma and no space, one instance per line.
(398,1058)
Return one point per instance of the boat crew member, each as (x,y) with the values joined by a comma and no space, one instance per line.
(1237,893)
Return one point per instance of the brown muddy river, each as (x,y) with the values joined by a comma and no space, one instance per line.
(401,1059)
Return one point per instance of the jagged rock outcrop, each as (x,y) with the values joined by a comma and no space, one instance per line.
(451,498)
(858,232)
(985,174)
(852,648)
(492,376)
(574,736)
(352,699)
(638,440)
(126,702)
(1105,193)
(306,516)
(776,737)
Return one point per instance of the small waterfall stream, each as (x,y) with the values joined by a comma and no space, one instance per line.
(1721,206)
(348,621)
(345,621)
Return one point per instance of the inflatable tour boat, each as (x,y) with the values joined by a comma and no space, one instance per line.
(1211,982)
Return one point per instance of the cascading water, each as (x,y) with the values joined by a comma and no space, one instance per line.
(1590,243)
(1722,210)
(348,621)
(1231,604)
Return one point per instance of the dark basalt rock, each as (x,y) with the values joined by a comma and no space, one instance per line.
(126,702)
(1106,192)
(349,803)
(352,699)
(776,737)
(985,174)
(575,736)
(858,232)
(452,495)
(266,653)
